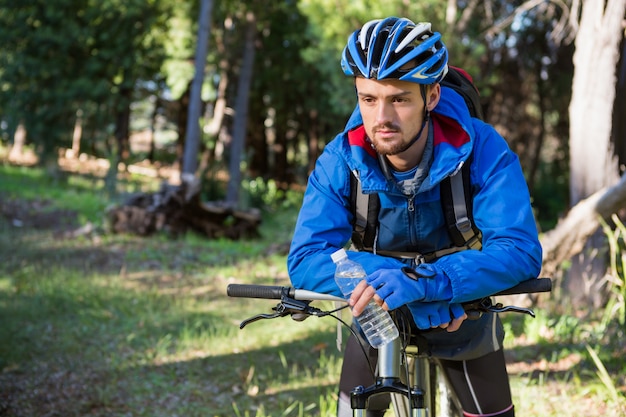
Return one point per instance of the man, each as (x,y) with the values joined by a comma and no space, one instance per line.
(407,134)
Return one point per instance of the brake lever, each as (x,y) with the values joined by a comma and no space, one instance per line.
(474,310)
(289,305)
(499,308)
(257,318)
(299,311)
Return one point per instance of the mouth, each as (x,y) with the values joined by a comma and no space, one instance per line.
(386,133)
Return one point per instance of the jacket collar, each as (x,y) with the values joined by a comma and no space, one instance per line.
(452,134)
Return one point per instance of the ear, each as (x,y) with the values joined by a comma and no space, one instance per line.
(432,96)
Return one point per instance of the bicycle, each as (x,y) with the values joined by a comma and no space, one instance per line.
(413,389)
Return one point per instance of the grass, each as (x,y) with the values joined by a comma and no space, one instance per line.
(114,325)
(119,325)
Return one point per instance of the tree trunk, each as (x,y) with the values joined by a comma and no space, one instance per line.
(78,133)
(593,164)
(285,135)
(314,140)
(153,129)
(216,128)
(192,137)
(241,112)
(259,146)
(122,123)
(535,157)
(619,110)
(19,140)
(219,108)
(181,123)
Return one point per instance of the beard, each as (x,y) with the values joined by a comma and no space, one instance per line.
(391,147)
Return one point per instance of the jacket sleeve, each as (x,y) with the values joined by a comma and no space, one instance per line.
(324,225)
(502,210)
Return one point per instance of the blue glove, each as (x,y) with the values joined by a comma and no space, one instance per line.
(398,287)
(434,314)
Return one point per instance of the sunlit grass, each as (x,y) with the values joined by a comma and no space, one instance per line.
(83,195)
(146,324)
(567,371)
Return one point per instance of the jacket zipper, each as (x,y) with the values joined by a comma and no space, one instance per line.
(411,204)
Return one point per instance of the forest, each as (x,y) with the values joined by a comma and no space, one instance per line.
(89,77)
(235,100)
(235,94)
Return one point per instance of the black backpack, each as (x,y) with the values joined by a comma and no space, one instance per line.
(456,197)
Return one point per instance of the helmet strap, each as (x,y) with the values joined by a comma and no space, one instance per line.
(424,122)
(416,138)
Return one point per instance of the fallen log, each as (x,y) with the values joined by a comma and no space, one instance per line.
(177,209)
(582,221)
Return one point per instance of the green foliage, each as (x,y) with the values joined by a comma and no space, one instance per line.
(604,376)
(616,307)
(594,338)
(550,196)
(179,46)
(268,194)
(63,56)
(95,58)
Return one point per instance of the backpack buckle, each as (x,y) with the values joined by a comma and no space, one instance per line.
(464,225)
(419,259)
(475,242)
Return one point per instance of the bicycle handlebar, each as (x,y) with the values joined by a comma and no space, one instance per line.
(275,292)
(530,286)
(295,302)
(272,292)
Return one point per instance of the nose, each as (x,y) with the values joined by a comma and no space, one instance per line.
(384,112)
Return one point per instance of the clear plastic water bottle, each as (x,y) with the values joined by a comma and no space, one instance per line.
(376,323)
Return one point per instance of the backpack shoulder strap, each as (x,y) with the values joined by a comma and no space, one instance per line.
(456,203)
(461,82)
(365,208)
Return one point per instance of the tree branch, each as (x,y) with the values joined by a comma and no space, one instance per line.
(570,234)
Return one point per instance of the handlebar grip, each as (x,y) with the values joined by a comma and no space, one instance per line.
(533,285)
(256,291)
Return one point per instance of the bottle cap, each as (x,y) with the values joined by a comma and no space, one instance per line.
(339,255)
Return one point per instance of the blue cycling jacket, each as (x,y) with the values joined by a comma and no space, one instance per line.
(511,252)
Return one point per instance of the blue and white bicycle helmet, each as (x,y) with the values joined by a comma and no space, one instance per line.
(396,48)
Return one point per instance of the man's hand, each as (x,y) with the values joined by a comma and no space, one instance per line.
(361,296)
(455,324)
(397,287)
(426,315)
(438,314)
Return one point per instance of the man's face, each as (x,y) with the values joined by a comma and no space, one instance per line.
(392,111)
